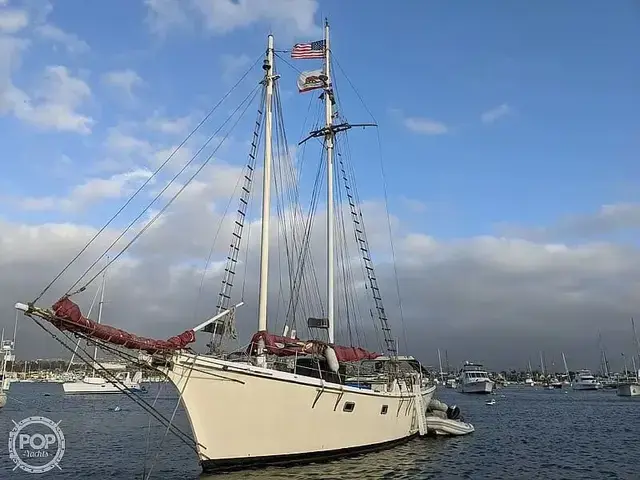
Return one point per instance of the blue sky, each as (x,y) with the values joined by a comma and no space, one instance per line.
(497,120)
(562,82)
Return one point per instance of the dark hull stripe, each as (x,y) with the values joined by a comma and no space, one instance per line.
(234,464)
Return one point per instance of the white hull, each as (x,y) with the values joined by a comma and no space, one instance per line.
(98,385)
(628,390)
(586,386)
(3,399)
(242,414)
(482,386)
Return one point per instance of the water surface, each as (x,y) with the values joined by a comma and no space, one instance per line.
(528,433)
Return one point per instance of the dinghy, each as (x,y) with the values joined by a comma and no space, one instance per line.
(445,420)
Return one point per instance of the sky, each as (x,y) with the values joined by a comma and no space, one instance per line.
(509,138)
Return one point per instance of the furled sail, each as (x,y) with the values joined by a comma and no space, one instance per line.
(286,346)
(69,317)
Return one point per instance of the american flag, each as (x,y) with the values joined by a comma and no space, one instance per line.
(308,50)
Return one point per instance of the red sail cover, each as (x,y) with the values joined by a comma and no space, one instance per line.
(70,318)
(285,346)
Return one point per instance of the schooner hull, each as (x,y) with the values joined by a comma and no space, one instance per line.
(244,416)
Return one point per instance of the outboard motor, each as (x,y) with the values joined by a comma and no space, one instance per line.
(453,412)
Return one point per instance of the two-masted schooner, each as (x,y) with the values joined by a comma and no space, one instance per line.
(282,400)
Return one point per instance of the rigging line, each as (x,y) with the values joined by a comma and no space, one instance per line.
(146,182)
(148,442)
(307,238)
(246,250)
(393,250)
(88,316)
(215,238)
(334,59)
(285,61)
(350,279)
(368,270)
(173,415)
(140,401)
(171,200)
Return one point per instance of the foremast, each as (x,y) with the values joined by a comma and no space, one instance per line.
(266,188)
(329,144)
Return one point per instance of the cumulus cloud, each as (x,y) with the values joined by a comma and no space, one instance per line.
(172,126)
(420,125)
(425,126)
(495,114)
(124,80)
(92,190)
(609,219)
(70,41)
(292,17)
(54,104)
(13,20)
(482,298)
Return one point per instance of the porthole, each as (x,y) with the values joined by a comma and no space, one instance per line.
(384,409)
(348,407)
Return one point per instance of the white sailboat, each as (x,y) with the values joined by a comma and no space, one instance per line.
(632,388)
(7,356)
(283,400)
(98,384)
(529,380)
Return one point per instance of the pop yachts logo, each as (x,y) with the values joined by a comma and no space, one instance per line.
(36,444)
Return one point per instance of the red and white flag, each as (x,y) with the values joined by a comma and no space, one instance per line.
(308,50)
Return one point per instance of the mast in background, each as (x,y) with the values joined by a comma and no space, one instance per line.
(635,337)
(95,348)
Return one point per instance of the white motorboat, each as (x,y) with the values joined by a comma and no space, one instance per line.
(584,380)
(451,383)
(475,379)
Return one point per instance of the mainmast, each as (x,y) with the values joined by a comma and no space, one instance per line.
(328,140)
(266,187)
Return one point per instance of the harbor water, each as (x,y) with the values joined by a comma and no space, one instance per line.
(528,433)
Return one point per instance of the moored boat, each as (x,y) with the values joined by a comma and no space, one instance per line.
(475,379)
(240,402)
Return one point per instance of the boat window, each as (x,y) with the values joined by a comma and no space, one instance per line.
(348,407)
(384,409)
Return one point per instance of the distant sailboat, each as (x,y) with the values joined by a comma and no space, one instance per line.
(7,356)
(632,389)
(97,384)
(7,347)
